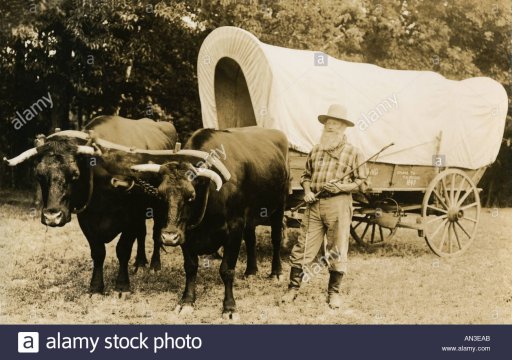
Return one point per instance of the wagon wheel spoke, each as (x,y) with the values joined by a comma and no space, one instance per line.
(470,219)
(437,209)
(433,235)
(450,225)
(381,234)
(442,237)
(459,189)
(373,233)
(457,237)
(445,190)
(458,223)
(365,230)
(464,197)
(434,191)
(359,223)
(469,205)
(452,190)
(437,218)
(438,228)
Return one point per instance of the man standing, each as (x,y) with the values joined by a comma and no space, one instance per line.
(330,213)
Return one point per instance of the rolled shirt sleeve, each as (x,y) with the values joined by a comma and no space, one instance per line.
(360,175)
(306,175)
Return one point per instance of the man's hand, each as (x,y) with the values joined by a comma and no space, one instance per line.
(309,197)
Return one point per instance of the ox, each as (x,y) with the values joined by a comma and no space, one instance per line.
(255,161)
(68,171)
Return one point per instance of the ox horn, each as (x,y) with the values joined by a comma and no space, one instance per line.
(87,150)
(146,168)
(212,175)
(21,157)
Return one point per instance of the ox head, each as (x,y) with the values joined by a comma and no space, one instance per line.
(178,187)
(57,170)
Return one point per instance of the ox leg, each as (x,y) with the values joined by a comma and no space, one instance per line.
(277,237)
(250,245)
(227,267)
(191,264)
(141,259)
(98,257)
(123,251)
(156,264)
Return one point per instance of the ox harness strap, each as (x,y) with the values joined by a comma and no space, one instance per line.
(89,195)
(203,209)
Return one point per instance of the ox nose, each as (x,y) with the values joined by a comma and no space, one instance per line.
(53,217)
(171,239)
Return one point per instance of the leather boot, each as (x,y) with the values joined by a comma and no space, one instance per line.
(293,286)
(333,291)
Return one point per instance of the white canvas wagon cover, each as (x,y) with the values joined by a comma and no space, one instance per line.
(243,82)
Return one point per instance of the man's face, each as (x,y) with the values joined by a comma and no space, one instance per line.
(332,136)
(332,125)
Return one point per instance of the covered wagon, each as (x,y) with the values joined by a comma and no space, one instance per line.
(445,132)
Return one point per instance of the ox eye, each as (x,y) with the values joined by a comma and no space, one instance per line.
(190,199)
(75,175)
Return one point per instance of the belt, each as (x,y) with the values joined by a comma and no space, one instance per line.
(326,195)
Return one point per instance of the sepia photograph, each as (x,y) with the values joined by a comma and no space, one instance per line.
(323,162)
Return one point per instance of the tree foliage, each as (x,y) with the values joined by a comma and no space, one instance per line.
(137,58)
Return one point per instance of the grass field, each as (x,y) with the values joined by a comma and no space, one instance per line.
(44,277)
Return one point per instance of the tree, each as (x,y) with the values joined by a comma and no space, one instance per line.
(137,58)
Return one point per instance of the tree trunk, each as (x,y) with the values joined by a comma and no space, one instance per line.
(489,202)
(122,96)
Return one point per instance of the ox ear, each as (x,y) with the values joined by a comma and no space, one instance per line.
(40,140)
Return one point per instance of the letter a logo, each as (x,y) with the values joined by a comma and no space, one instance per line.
(28,342)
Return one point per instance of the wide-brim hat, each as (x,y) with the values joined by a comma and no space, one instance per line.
(336,112)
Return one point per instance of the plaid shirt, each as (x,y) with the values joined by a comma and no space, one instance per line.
(324,166)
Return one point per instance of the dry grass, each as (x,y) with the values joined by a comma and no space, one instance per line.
(45,273)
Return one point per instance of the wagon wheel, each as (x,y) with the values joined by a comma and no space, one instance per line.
(450,213)
(366,231)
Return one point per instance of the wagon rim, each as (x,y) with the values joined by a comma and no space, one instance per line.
(450,213)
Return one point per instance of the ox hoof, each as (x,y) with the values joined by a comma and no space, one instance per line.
(136,268)
(249,276)
(96,296)
(231,315)
(124,295)
(277,277)
(155,267)
(184,309)
(140,263)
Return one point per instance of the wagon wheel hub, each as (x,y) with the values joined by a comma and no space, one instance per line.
(455,213)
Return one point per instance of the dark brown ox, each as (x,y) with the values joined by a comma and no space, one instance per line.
(74,179)
(201,219)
